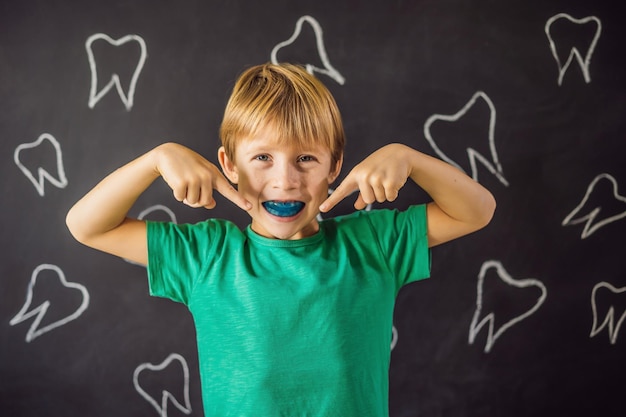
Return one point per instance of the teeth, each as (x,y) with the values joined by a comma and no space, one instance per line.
(28,311)
(321,50)
(595,216)
(574,52)
(158,212)
(394,337)
(475,157)
(283,209)
(487,312)
(160,404)
(611,321)
(127,98)
(60,181)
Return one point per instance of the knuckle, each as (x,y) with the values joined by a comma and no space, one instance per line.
(376,177)
(387,183)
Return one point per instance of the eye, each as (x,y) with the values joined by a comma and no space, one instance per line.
(306,158)
(262,157)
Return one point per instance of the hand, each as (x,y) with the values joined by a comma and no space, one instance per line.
(378,177)
(192,178)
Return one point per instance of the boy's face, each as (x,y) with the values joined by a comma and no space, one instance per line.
(285,184)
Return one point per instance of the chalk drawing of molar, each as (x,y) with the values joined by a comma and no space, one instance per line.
(574,52)
(478,323)
(59,181)
(155,208)
(166,396)
(328,69)
(40,311)
(394,337)
(493,164)
(127,98)
(609,323)
(589,214)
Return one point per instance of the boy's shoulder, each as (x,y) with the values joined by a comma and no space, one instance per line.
(378,215)
(209,229)
(383,221)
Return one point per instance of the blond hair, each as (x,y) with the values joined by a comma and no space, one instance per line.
(293,102)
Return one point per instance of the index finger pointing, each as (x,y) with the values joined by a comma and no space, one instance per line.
(223,187)
(347,187)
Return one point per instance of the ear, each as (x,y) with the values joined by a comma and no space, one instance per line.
(334,172)
(228,166)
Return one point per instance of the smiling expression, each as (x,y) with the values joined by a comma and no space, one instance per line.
(285,184)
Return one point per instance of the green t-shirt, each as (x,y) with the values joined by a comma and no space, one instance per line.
(292,327)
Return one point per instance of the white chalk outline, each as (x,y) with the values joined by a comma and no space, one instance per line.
(147,211)
(476,326)
(42,174)
(394,337)
(94,96)
(321,49)
(40,311)
(162,408)
(574,53)
(609,320)
(494,165)
(156,207)
(590,228)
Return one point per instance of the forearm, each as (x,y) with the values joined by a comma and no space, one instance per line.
(460,204)
(106,206)
(456,194)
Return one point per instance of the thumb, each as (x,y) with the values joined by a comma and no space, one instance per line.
(360,204)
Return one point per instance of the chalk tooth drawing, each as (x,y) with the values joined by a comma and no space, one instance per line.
(157,207)
(394,337)
(166,396)
(40,311)
(609,323)
(590,215)
(478,323)
(574,52)
(94,94)
(60,181)
(328,69)
(492,165)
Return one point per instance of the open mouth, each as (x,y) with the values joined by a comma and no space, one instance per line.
(283,208)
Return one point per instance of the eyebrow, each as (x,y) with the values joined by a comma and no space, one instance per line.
(264,148)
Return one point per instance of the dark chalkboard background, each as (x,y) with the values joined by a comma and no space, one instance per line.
(404,63)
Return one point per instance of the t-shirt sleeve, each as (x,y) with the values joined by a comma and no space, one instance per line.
(176,256)
(403,237)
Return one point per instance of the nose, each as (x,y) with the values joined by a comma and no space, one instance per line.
(286,176)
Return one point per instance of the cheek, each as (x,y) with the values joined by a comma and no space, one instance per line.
(322,189)
(250,185)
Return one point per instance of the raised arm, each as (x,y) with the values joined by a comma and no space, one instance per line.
(100,219)
(460,205)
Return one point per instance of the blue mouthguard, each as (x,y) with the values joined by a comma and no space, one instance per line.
(283,208)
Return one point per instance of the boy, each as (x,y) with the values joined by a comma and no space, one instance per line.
(293,316)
